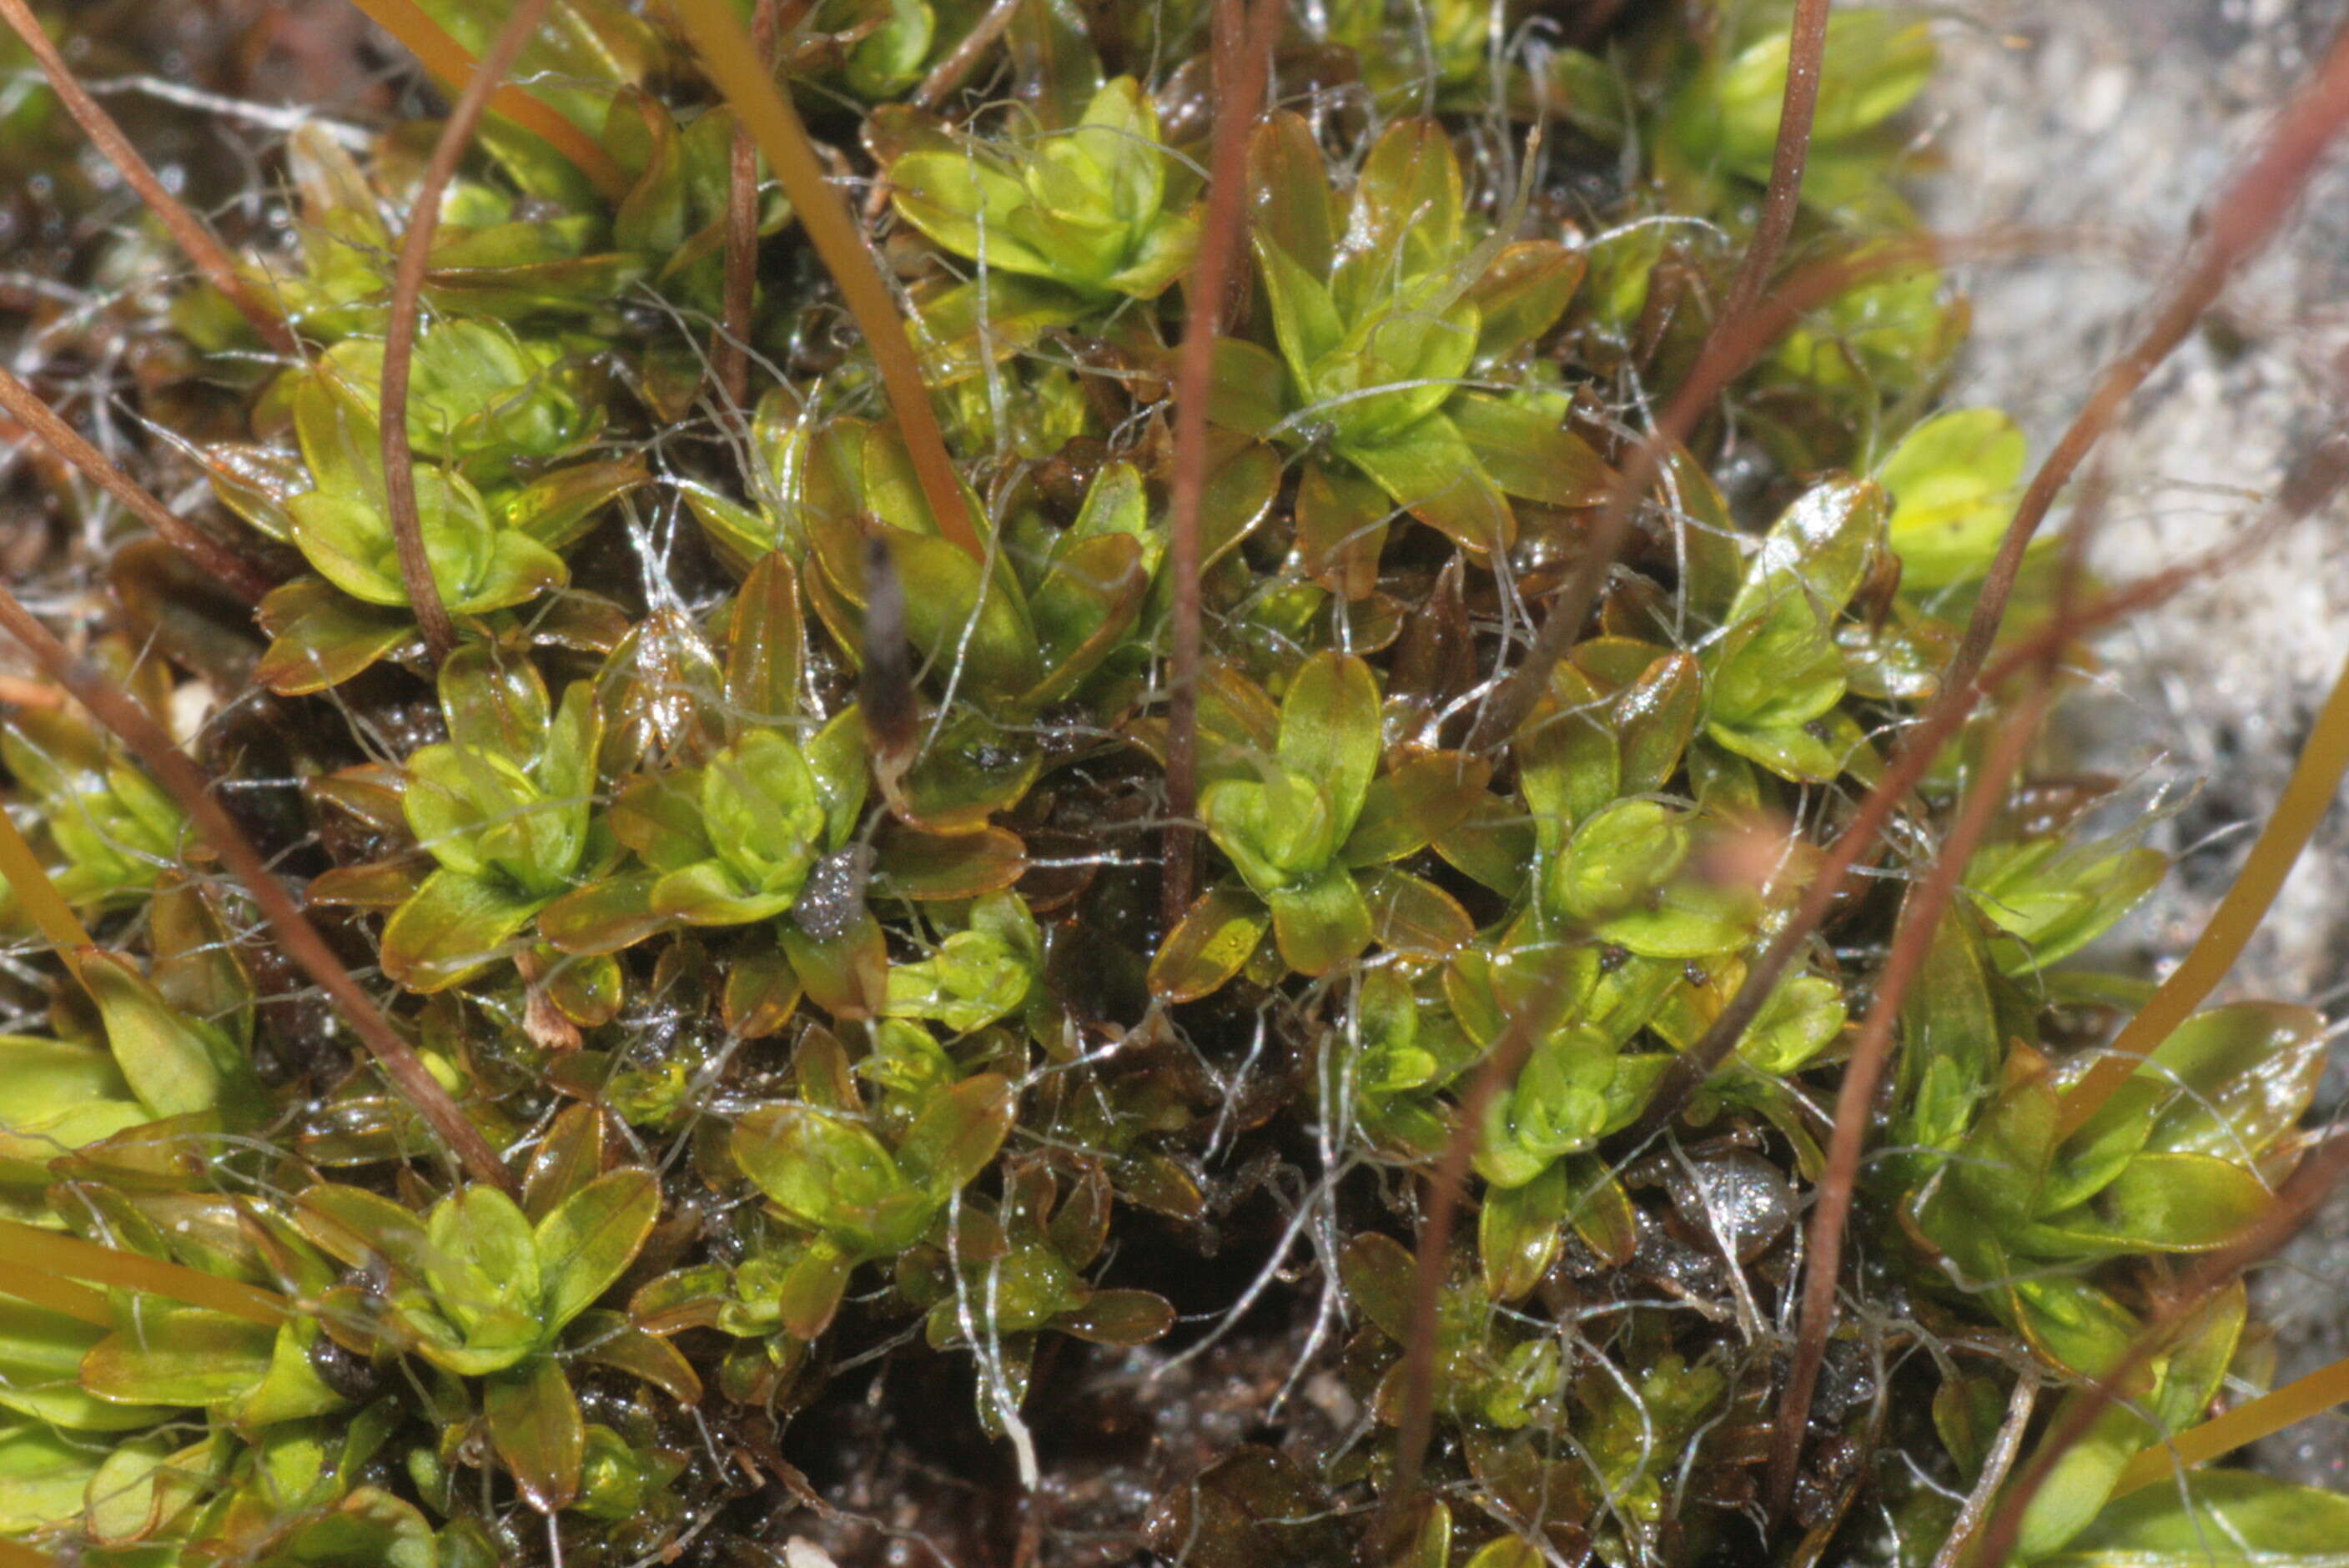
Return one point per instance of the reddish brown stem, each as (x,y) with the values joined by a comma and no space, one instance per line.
(187,229)
(187,785)
(1806,48)
(730,62)
(234,573)
(1447,1189)
(2240,220)
(406,306)
(731,356)
(2245,217)
(1920,917)
(949,73)
(2323,476)
(1242,60)
(1733,345)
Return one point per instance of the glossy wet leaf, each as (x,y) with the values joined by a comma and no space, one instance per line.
(1209,945)
(174,1063)
(178,1355)
(1626,871)
(2226,1519)
(819,1169)
(1953,481)
(591,1237)
(538,1433)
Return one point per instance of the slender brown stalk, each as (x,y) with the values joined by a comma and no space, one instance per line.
(730,354)
(2238,223)
(2295,1201)
(949,73)
(188,785)
(452,63)
(233,573)
(947,76)
(2245,217)
(1920,917)
(406,306)
(2319,475)
(2307,797)
(1447,1188)
(1242,61)
(733,65)
(188,231)
(26,1247)
(1806,48)
(1728,351)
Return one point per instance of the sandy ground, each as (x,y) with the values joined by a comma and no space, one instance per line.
(2122,115)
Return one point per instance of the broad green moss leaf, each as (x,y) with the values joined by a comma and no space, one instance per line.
(1329,731)
(61,1095)
(2156,1203)
(1322,924)
(455,926)
(1525,450)
(321,637)
(1433,473)
(1209,945)
(1626,874)
(2226,1519)
(178,1355)
(537,1431)
(481,1262)
(590,1239)
(1953,482)
(1118,1317)
(958,1134)
(1523,293)
(1876,61)
(174,1063)
(1407,209)
(819,1169)
(41,1354)
(1819,547)
(2242,1076)
(1341,528)
(2054,898)
(2072,1324)
(1950,1042)
(1655,718)
(44,1476)
(1570,763)
(1519,1233)
(477,565)
(1802,1015)
(1412,916)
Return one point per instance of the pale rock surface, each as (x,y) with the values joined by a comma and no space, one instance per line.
(2121,118)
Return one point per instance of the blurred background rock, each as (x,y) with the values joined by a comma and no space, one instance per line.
(2118,118)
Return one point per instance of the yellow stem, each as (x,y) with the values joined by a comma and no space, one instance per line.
(47,1251)
(452,63)
(2307,795)
(2270,1413)
(733,63)
(60,1295)
(29,880)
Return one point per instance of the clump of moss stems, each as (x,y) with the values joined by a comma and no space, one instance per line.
(2000,691)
